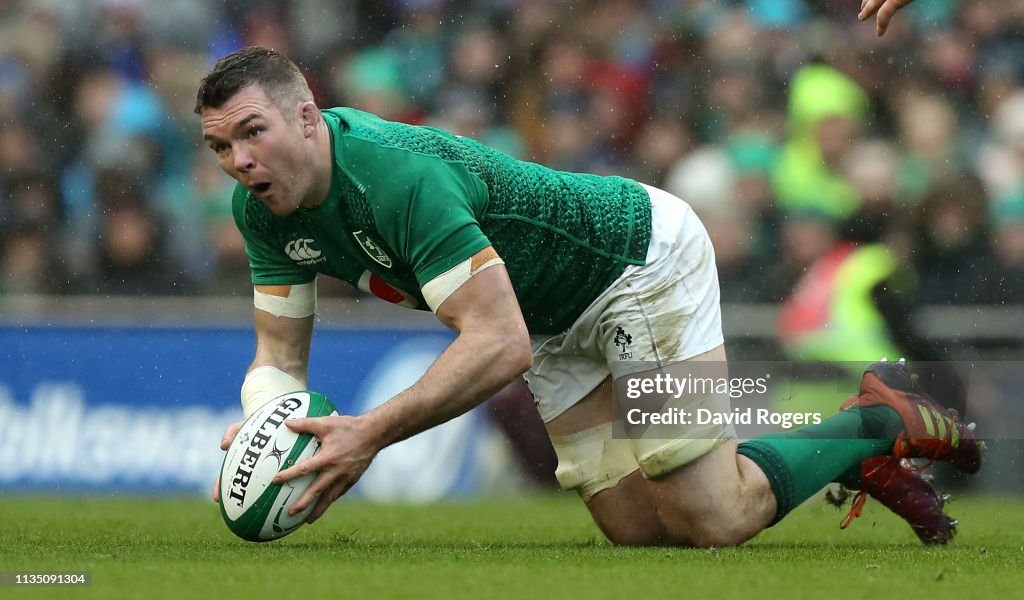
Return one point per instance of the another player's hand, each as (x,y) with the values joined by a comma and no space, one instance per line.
(225,443)
(885,9)
(346,449)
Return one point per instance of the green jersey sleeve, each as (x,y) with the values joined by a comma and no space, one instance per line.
(427,210)
(269,264)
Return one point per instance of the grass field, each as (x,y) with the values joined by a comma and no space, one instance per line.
(517,548)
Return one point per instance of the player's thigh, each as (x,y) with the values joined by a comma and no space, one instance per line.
(663,447)
(594,409)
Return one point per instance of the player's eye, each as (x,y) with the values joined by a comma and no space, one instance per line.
(255,131)
(219,148)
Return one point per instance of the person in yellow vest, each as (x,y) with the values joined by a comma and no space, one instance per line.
(832,313)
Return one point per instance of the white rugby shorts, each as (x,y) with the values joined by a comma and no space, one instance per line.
(663,312)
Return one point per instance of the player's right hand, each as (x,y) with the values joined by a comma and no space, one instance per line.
(225,443)
(885,10)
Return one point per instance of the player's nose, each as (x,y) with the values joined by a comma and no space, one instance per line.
(242,159)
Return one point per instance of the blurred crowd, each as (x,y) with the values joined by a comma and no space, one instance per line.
(785,123)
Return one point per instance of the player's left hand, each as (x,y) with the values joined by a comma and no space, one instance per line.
(225,443)
(346,450)
(885,9)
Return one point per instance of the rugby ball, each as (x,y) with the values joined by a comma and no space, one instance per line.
(254,508)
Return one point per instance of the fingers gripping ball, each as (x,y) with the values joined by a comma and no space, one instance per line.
(253,507)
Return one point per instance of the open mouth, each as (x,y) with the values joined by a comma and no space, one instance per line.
(261,188)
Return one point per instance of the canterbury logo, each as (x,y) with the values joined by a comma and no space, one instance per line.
(937,425)
(302,251)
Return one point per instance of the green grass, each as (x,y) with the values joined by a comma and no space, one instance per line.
(517,548)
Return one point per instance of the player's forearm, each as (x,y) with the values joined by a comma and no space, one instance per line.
(471,370)
(283,343)
(296,368)
(281,362)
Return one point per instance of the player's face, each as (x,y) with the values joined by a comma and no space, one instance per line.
(261,149)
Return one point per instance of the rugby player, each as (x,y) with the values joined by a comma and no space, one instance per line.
(543,273)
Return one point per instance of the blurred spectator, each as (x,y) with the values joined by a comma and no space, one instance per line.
(660,144)
(871,167)
(33,201)
(371,80)
(708,180)
(223,267)
(29,262)
(1001,161)
(927,133)
(465,101)
(131,252)
(1006,285)
(20,157)
(803,236)
(954,258)
(826,114)
(418,47)
(609,86)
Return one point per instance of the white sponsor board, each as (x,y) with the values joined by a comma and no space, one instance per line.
(57,439)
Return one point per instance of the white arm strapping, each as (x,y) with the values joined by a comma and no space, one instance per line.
(263,384)
(439,288)
(300,301)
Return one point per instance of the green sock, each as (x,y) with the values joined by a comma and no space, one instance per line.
(850,477)
(800,462)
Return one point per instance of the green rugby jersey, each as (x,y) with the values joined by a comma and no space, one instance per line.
(408,203)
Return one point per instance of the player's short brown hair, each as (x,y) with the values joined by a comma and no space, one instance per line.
(280,79)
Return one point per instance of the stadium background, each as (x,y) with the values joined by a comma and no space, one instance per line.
(124,296)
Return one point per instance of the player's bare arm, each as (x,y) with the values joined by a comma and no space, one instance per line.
(885,9)
(282,344)
(491,350)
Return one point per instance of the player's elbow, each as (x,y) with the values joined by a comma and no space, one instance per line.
(523,356)
(515,353)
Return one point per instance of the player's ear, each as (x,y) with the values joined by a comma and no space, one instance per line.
(310,116)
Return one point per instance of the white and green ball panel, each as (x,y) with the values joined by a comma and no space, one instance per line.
(262,514)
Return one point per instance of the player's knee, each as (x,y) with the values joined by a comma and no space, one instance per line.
(707,531)
(684,526)
(711,527)
(626,517)
(634,535)
(713,535)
